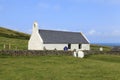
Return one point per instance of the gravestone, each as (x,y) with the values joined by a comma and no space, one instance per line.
(75,54)
(80,54)
(101,49)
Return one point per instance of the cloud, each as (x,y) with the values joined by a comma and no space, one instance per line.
(92,32)
(105,34)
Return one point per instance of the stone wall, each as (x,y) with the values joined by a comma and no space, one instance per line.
(102,52)
(34,53)
(51,52)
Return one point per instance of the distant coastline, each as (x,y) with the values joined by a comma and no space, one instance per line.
(108,44)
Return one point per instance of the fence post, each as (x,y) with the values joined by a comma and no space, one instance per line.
(4,46)
(9,46)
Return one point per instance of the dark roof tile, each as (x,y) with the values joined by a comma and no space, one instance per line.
(56,37)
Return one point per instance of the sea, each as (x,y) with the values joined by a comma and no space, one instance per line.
(108,44)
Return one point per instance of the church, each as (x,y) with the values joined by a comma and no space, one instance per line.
(57,40)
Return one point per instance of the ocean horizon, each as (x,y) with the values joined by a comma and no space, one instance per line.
(108,44)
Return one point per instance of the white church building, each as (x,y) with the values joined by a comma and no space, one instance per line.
(51,39)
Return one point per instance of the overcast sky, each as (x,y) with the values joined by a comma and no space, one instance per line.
(99,20)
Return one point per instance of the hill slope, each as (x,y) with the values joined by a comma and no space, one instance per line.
(10,39)
(12,34)
(95,47)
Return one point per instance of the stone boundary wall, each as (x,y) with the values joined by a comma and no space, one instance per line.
(34,53)
(102,52)
(51,52)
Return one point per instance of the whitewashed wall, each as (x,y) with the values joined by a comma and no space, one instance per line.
(53,46)
(85,47)
(74,46)
(35,42)
(61,46)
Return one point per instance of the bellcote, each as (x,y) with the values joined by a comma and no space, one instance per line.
(35,27)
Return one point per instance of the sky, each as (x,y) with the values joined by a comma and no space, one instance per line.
(99,20)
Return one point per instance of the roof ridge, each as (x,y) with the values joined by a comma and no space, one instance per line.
(60,31)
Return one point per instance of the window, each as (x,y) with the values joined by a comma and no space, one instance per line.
(79,46)
(69,46)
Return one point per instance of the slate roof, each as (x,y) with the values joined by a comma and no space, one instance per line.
(56,37)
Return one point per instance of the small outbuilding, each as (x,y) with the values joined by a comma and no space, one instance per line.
(51,39)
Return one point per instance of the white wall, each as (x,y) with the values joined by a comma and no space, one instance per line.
(85,47)
(53,46)
(74,46)
(61,46)
(35,42)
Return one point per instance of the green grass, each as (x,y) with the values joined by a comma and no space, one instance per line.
(97,47)
(19,44)
(94,67)
(16,40)
(4,32)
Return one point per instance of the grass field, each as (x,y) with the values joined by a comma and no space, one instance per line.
(19,44)
(14,39)
(97,47)
(94,67)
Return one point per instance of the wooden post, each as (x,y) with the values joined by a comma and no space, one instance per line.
(9,46)
(4,46)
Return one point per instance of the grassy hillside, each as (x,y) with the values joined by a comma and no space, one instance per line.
(94,67)
(12,34)
(14,39)
(95,47)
